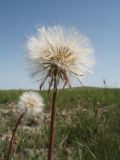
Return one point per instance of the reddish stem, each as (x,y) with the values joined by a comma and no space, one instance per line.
(51,140)
(13,135)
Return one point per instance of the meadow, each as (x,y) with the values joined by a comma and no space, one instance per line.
(87,126)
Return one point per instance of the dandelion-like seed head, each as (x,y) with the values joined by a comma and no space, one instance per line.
(31,102)
(57,52)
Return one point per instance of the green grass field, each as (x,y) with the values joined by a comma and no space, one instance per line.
(87,126)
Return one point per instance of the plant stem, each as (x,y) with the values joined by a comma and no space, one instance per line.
(13,135)
(105,90)
(51,139)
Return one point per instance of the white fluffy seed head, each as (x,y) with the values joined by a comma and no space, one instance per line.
(69,50)
(32,103)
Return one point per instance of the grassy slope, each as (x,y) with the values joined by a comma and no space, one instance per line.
(87,126)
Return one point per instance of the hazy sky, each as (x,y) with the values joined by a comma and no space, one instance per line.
(97,19)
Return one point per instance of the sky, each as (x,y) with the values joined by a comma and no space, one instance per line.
(99,20)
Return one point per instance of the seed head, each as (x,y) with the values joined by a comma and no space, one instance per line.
(56,53)
(32,103)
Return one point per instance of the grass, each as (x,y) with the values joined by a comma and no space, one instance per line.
(87,126)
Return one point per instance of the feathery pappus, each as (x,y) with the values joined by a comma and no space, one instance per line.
(31,103)
(57,53)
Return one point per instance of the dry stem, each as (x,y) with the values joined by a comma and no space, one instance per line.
(9,155)
(51,140)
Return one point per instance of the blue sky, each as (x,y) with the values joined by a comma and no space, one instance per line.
(98,20)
